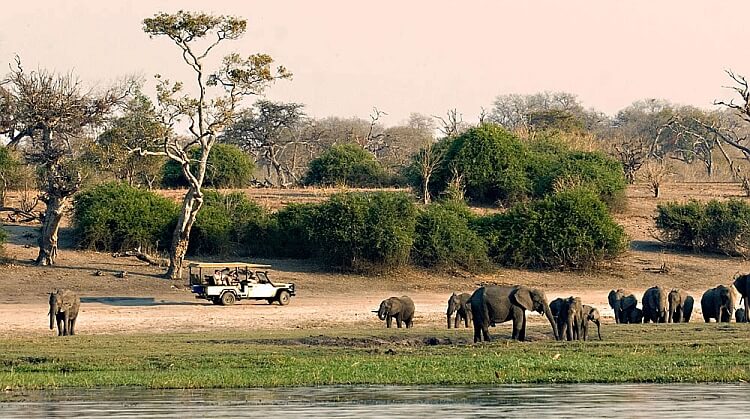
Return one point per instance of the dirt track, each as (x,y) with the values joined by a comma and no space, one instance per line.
(330,300)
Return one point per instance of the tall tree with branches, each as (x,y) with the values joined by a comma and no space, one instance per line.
(210,110)
(51,114)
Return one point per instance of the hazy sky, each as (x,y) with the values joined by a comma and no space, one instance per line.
(414,56)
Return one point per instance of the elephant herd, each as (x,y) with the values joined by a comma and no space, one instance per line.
(569,318)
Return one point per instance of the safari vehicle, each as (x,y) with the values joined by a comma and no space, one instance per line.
(225,283)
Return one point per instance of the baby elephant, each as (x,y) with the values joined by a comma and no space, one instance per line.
(400,308)
(459,304)
(740,315)
(63,309)
(591,314)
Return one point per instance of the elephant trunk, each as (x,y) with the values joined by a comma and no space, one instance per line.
(449,320)
(551,318)
(52,312)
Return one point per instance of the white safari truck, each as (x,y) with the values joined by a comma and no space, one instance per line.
(225,283)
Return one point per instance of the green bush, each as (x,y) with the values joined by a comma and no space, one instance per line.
(570,229)
(442,238)
(225,223)
(346,164)
(228,167)
(492,163)
(114,217)
(292,232)
(713,226)
(497,167)
(362,230)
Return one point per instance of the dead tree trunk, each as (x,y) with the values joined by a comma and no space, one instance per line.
(191,204)
(50,227)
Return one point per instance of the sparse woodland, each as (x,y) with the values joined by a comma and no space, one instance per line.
(550,171)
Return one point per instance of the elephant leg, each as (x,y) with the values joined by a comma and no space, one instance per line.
(747,308)
(60,326)
(457,321)
(707,317)
(398,320)
(585,329)
(466,321)
(388,320)
(73,326)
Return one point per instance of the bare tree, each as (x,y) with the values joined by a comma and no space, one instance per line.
(452,124)
(427,160)
(196,35)
(51,113)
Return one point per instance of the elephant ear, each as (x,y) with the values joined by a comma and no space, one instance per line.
(522,297)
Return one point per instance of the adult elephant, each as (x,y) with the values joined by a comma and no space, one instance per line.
(655,305)
(591,314)
(718,303)
(63,310)
(680,306)
(742,284)
(459,304)
(623,304)
(497,304)
(399,308)
(570,319)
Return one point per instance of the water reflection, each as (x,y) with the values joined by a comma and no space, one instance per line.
(592,400)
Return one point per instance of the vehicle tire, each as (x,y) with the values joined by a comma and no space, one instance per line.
(228,298)
(283,298)
(216,300)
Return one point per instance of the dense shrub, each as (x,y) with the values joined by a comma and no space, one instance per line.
(291,232)
(495,166)
(713,226)
(228,167)
(345,164)
(570,229)
(115,216)
(362,230)
(492,163)
(442,238)
(224,223)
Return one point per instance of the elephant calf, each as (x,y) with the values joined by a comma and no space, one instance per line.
(570,319)
(740,316)
(680,306)
(63,310)
(459,304)
(399,308)
(591,314)
(655,305)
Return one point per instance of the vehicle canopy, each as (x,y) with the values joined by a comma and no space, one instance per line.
(200,271)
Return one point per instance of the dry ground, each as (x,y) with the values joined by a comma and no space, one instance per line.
(144,302)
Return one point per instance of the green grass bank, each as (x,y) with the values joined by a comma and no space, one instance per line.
(664,353)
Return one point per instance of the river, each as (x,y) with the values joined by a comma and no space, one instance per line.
(590,400)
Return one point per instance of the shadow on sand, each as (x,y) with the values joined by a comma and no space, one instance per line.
(137,301)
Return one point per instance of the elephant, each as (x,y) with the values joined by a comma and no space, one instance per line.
(636,316)
(591,314)
(570,319)
(718,303)
(740,316)
(400,308)
(555,306)
(680,306)
(742,284)
(655,305)
(623,303)
(497,304)
(459,304)
(63,310)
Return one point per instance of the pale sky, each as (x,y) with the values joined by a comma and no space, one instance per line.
(401,56)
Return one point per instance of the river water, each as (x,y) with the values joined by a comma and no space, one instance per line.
(528,401)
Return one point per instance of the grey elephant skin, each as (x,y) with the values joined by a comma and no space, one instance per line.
(399,308)
(458,304)
(655,305)
(742,284)
(636,316)
(680,306)
(623,303)
(494,304)
(63,311)
(718,303)
(740,316)
(591,314)
(568,315)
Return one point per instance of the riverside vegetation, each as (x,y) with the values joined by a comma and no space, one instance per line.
(629,353)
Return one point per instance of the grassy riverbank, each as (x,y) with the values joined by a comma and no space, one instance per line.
(631,353)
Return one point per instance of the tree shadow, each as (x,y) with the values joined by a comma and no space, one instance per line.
(137,301)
